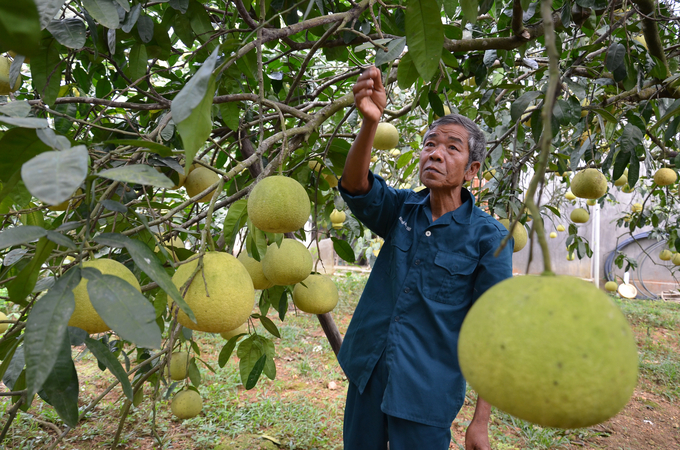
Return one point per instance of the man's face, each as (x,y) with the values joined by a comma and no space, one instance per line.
(444,158)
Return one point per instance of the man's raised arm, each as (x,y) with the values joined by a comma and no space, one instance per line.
(370,99)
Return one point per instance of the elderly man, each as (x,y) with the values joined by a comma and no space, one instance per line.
(400,350)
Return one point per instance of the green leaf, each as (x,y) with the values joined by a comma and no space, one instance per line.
(137,68)
(394,49)
(103,354)
(424,35)
(19,27)
(615,57)
(269,325)
(9,356)
(235,220)
(28,122)
(18,109)
(61,386)
(520,105)
(70,33)
(196,128)
(195,91)
(123,308)
(46,327)
(138,174)
(17,146)
(344,250)
(620,163)
(20,235)
(61,240)
(230,114)
(227,350)
(125,4)
(404,159)
(630,138)
(194,373)
(47,9)
(633,169)
(407,74)
(103,11)
(155,147)
(436,103)
(54,176)
(255,373)
(25,281)
(147,261)
(470,8)
(46,70)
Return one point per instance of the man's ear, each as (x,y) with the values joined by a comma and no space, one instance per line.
(472,170)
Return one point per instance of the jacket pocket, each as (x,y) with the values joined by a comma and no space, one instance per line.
(452,279)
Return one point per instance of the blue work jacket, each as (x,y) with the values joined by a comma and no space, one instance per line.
(425,279)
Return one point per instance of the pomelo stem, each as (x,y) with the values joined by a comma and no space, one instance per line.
(546,136)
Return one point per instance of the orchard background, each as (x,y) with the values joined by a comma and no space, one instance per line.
(108,90)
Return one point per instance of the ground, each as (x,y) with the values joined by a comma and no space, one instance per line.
(302,408)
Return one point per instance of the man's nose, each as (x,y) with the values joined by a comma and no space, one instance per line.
(436,153)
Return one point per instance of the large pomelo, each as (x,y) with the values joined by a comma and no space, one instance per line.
(221,296)
(254,268)
(519,234)
(288,264)
(278,204)
(317,294)
(589,183)
(553,350)
(85,316)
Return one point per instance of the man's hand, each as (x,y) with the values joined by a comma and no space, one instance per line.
(369,94)
(477,436)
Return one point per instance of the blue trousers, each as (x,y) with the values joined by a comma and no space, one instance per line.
(366,427)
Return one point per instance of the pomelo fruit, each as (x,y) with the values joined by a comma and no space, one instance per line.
(85,316)
(235,332)
(5,88)
(200,179)
(552,350)
(665,255)
(3,326)
(288,264)
(579,215)
(611,286)
(589,183)
(386,136)
(186,404)
(569,196)
(665,177)
(229,298)
(519,234)
(560,227)
(254,268)
(316,294)
(278,204)
(178,368)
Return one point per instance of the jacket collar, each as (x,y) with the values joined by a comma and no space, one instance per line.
(461,215)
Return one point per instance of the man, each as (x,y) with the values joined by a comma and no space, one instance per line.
(400,350)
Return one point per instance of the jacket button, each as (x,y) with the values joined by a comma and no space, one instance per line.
(417,262)
(428,233)
(407,290)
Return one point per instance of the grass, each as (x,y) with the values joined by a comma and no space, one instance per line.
(299,409)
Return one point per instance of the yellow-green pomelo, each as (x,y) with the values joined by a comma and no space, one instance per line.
(186,404)
(665,255)
(519,234)
(386,136)
(235,332)
(198,181)
(85,316)
(221,296)
(589,183)
(560,227)
(611,286)
(621,181)
(254,268)
(569,196)
(676,259)
(553,234)
(570,256)
(288,264)
(332,180)
(489,174)
(68,204)
(636,207)
(626,189)
(5,88)
(179,366)
(579,215)
(175,242)
(278,204)
(591,202)
(3,326)
(319,294)
(338,218)
(552,350)
(665,177)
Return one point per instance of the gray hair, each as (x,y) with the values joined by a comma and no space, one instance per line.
(476,138)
